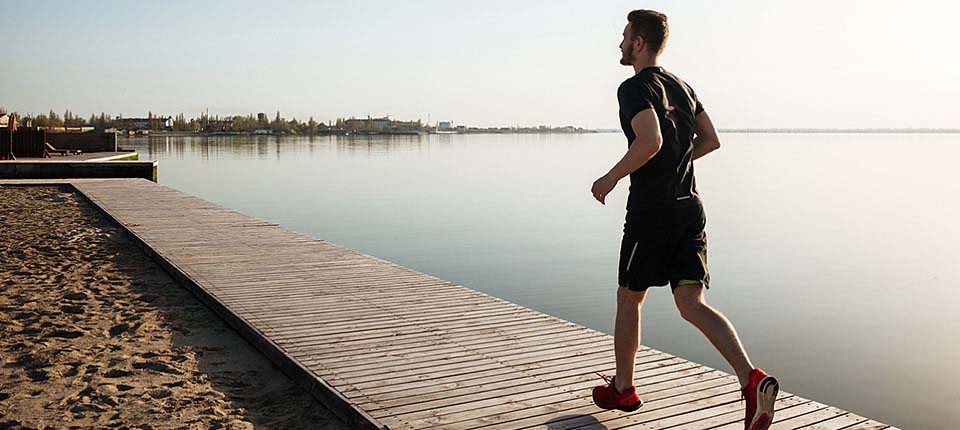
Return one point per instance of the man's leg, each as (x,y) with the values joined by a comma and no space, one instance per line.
(626,335)
(716,327)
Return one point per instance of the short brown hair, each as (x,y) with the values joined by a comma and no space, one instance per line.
(651,26)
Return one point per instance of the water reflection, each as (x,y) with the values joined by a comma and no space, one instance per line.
(275,147)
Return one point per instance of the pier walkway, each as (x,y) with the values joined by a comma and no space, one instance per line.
(385,346)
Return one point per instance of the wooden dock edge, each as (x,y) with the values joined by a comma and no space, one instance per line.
(121,156)
(77,169)
(352,415)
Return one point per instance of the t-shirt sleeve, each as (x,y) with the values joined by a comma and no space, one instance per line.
(697,106)
(634,98)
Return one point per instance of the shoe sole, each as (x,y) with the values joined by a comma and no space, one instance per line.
(629,408)
(766,393)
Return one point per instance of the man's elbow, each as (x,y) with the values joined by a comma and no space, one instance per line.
(711,144)
(646,148)
(652,146)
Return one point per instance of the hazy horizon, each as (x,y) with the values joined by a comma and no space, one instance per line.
(755,65)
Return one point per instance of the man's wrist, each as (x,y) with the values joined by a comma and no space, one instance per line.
(615,174)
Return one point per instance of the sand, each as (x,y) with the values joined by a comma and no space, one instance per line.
(93,334)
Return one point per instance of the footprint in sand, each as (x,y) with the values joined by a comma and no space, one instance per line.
(117,373)
(119,329)
(65,334)
(38,375)
(70,309)
(160,393)
(75,296)
(157,366)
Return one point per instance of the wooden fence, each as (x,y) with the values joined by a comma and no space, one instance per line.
(86,142)
(6,150)
(23,143)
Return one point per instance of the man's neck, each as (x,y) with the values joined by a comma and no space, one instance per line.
(643,64)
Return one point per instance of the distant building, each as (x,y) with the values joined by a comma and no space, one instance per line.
(444,125)
(213,125)
(5,120)
(367,124)
(145,123)
(262,117)
(381,125)
(68,129)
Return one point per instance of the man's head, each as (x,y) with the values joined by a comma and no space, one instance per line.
(645,35)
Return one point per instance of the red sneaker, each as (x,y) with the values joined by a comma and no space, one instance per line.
(761,394)
(607,396)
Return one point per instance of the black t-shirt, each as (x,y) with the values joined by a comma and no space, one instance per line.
(666,180)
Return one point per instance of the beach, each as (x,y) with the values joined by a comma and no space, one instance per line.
(95,334)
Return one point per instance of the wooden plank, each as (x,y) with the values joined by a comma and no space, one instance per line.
(454,416)
(654,377)
(394,346)
(576,384)
(870,425)
(819,416)
(837,423)
(705,418)
(379,390)
(538,343)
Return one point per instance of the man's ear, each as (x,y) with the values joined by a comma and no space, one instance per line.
(639,42)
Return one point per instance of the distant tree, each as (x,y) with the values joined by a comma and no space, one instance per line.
(293,125)
(247,123)
(70,119)
(312,126)
(53,120)
(180,123)
(278,125)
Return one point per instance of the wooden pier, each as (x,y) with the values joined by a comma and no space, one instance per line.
(385,346)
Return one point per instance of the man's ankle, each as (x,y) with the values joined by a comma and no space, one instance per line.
(744,379)
(617,386)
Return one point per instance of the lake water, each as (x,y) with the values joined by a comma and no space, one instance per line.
(835,255)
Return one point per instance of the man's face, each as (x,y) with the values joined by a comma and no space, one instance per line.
(626,47)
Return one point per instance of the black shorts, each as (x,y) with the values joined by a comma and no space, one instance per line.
(664,246)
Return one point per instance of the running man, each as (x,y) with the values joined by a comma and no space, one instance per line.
(664,241)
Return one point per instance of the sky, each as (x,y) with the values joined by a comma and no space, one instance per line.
(753,63)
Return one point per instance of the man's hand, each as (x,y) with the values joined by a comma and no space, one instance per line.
(603,186)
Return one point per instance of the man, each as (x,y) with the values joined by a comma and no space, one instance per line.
(664,239)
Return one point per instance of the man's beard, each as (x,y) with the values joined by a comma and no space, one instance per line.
(626,58)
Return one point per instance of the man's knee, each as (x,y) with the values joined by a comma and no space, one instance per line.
(689,300)
(629,297)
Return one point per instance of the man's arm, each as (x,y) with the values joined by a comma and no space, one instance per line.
(706,140)
(646,126)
